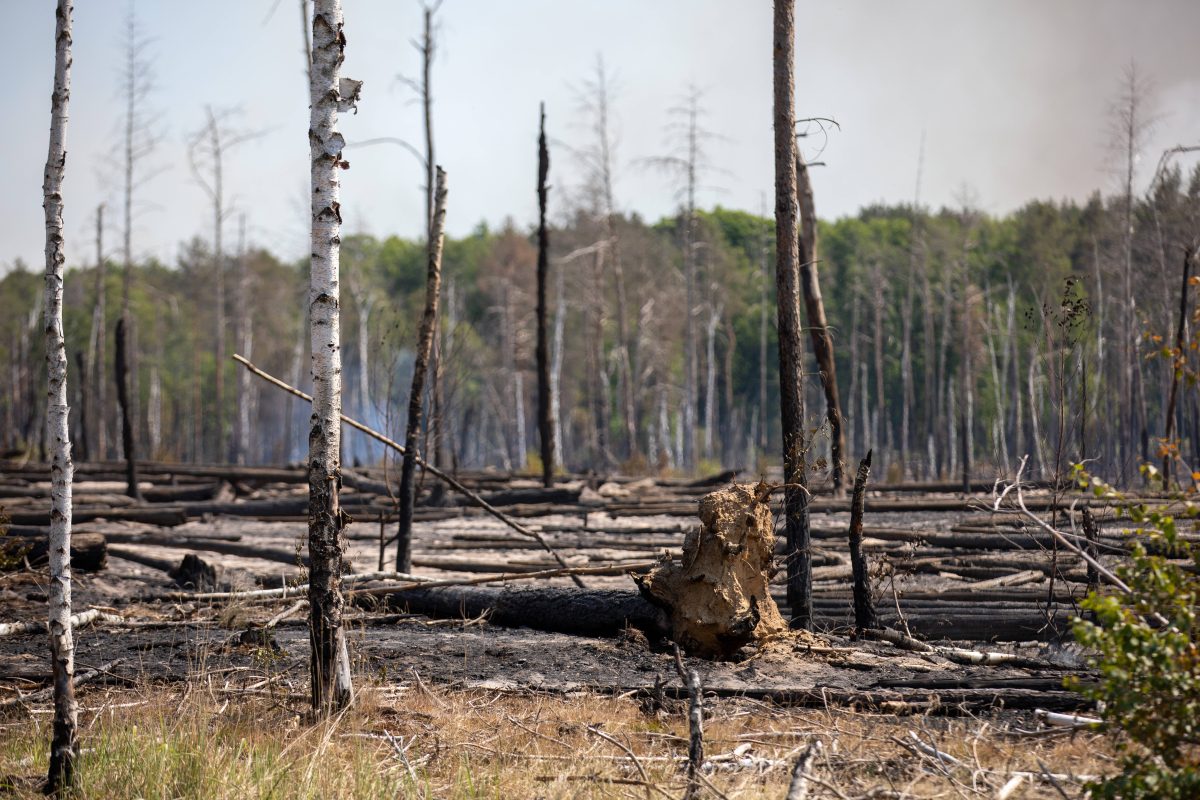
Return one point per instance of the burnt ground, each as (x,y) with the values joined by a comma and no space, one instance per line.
(950,571)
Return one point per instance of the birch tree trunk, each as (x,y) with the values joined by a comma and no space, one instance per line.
(328,94)
(791,353)
(433,284)
(545,418)
(63,745)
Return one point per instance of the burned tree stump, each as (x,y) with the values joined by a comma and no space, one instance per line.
(717,597)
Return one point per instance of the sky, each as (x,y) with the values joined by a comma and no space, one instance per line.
(1010,97)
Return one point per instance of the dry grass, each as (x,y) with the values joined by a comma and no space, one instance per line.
(414,741)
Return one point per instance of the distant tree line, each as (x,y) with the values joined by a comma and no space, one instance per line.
(962,340)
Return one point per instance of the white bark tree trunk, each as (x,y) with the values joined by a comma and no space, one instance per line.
(330,664)
(63,745)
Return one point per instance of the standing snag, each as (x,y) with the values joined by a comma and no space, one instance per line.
(791,353)
(433,284)
(330,661)
(545,416)
(63,745)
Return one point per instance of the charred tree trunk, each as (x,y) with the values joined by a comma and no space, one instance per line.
(63,745)
(128,441)
(433,284)
(818,327)
(332,687)
(791,352)
(864,609)
(545,418)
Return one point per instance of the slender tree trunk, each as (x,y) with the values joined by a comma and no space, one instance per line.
(124,400)
(1177,368)
(330,664)
(733,416)
(244,334)
(818,327)
(929,391)
(560,323)
(154,390)
(219,445)
(791,352)
(97,367)
(906,379)
(63,745)
(602,410)
(710,378)
(545,416)
(882,421)
(764,314)
(433,284)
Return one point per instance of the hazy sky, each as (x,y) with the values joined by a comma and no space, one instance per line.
(1011,95)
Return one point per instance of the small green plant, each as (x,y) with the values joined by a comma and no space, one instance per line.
(1145,648)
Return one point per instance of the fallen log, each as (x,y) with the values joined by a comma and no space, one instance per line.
(562,609)
(511,497)
(89,551)
(164,517)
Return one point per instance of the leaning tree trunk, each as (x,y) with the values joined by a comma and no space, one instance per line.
(545,418)
(330,662)
(433,287)
(791,353)
(63,745)
(818,327)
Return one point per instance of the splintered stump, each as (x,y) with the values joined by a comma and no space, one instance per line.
(717,596)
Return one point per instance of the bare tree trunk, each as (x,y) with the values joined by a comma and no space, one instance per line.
(545,417)
(710,379)
(64,748)
(602,412)
(762,347)
(1169,417)
(154,390)
(733,416)
(791,353)
(560,322)
(882,422)
(332,688)
(124,400)
(96,353)
(244,340)
(818,327)
(931,371)
(433,284)
(219,451)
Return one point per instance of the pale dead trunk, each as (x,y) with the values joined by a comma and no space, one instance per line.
(243,333)
(433,283)
(328,94)
(560,322)
(710,379)
(63,745)
(96,353)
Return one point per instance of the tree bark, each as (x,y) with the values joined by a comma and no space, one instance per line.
(545,418)
(330,662)
(864,609)
(128,442)
(433,284)
(1176,369)
(791,353)
(818,327)
(63,745)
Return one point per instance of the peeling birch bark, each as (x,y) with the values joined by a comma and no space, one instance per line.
(63,745)
(332,687)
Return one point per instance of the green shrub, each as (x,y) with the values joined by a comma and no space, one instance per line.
(1144,647)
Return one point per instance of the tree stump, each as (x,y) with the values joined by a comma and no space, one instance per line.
(717,597)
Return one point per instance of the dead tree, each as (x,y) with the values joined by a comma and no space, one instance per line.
(244,332)
(63,745)
(408,469)
(791,352)
(207,151)
(138,142)
(328,94)
(596,101)
(818,327)
(97,375)
(545,419)
(1177,368)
